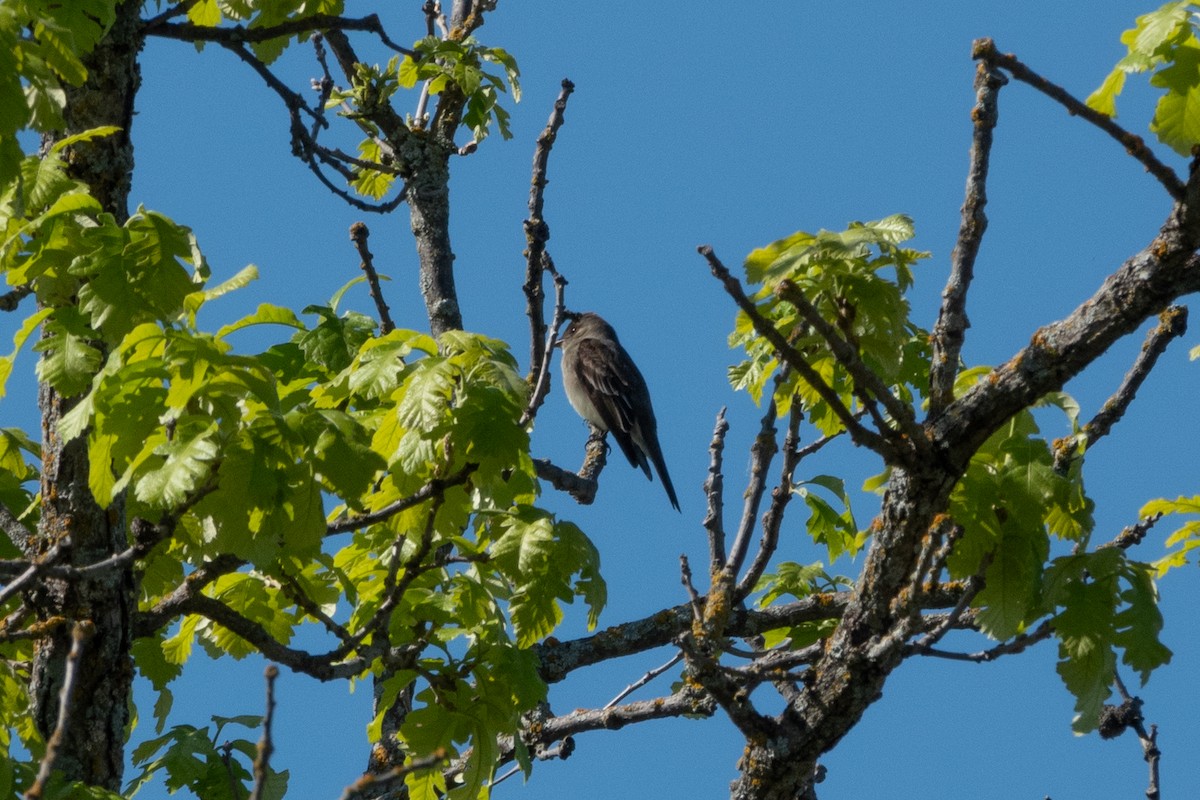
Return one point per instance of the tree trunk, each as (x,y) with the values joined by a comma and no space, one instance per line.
(92,745)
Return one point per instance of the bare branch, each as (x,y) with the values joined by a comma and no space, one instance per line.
(952,323)
(238,34)
(537,233)
(266,747)
(762,452)
(781,495)
(1018,644)
(1172,323)
(985,49)
(581,488)
(541,386)
(642,681)
(66,695)
(52,556)
(358,235)
(714,493)
(859,434)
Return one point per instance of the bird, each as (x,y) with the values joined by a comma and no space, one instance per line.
(606,388)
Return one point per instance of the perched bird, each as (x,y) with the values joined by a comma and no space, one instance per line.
(605,387)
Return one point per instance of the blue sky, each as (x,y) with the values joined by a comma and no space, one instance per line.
(732,127)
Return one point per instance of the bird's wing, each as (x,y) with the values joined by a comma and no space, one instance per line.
(612,381)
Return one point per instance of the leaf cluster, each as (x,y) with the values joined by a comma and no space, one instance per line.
(856,279)
(1165,42)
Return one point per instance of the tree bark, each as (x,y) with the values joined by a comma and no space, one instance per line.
(92,746)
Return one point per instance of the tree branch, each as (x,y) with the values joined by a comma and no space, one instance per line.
(433,489)
(952,323)
(985,49)
(238,34)
(1172,323)
(714,493)
(859,434)
(537,233)
(762,452)
(358,234)
(266,747)
(781,495)
(10,300)
(865,379)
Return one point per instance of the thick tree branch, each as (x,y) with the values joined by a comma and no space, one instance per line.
(952,323)
(985,49)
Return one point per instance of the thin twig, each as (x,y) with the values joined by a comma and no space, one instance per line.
(262,760)
(541,387)
(358,234)
(858,433)
(685,577)
(82,631)
(372,785)
(238,34)
(537,262)
(952,322)
(434,488)
(642,681)
(781,495)
(762,453)
(1018,644)
(985,49)
(1172,323)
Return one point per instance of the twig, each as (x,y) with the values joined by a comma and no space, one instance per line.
(642,681)
(985,49)
(865,379)
(1172,323)
(714,493)
(177,10)
(952,322)
(434,488)
(859,434)
(1132,535)
(541,387)
(82,631)
(781,495)
(262,761)
(1114,720)
(685,577)
(537,261)
(304,145)
(372,785)
(358,235)
(1016,645)
(238,34)
(762,453)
